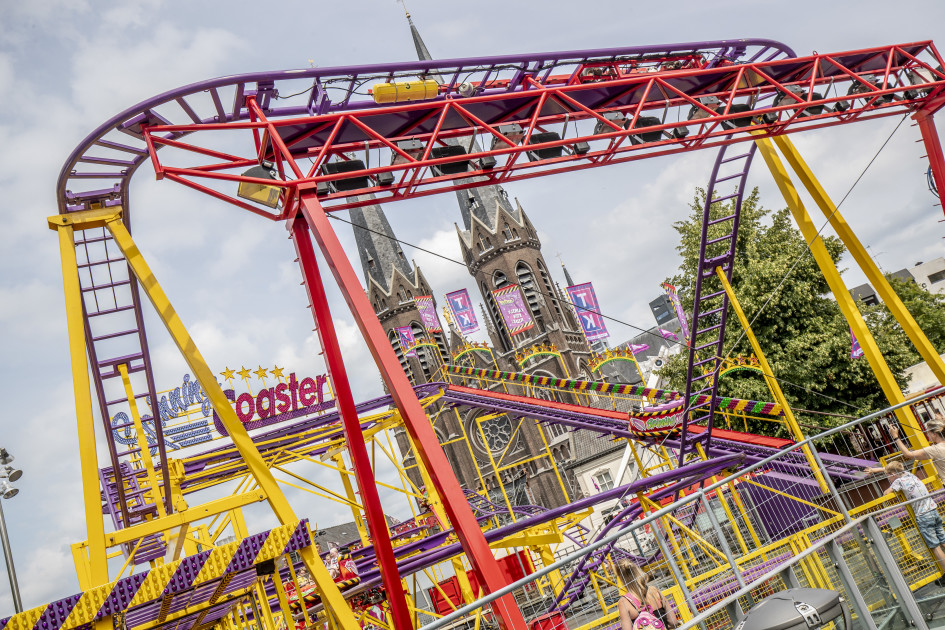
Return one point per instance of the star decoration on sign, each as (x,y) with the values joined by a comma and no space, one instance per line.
(276,371)
(261,372)
(228,374)
(244,373)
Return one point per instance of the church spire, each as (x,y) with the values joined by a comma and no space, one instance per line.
(422,52)
(482,202)
(379,250)
(567,276)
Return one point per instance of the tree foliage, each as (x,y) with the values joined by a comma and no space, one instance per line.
(797,321)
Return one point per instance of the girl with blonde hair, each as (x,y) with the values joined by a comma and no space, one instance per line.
(640,595)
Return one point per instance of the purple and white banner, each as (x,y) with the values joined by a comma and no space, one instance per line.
(855,350)
(677,305)
(667,334)
(517,317)
(431,323)
(405,334)
(637,348)
(463,312)
(588,310)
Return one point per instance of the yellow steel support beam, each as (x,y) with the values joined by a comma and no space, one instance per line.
(144,449)
(884,375)
(177,519)
(339,460)
(205,376)
(97,572)
(863,259)
(773,386)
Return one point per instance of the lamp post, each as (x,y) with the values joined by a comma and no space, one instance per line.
(9,474)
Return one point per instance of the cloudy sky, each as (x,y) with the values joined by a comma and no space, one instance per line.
(67,65)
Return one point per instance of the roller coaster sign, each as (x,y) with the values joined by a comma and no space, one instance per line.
(286,401)
(185,411)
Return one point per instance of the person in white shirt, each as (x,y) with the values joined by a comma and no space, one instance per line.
(927,519)
(935,432)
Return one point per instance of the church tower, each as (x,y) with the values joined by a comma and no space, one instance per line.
(392,284)
(500,247)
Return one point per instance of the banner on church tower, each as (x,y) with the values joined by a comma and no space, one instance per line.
(584,299)
(462,309)
(517,317)
(407,340)
(677,305)
(428,316)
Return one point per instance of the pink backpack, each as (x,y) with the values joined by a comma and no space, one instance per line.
(646,618)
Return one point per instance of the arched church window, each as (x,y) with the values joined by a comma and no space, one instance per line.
(526,279)
(398,350)
(550,292)
(507,231)
(499,280)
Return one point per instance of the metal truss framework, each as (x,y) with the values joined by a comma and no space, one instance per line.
(714,106)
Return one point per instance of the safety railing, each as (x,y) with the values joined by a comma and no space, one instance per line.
(724,546)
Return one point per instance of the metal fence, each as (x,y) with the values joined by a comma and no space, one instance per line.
(725,543)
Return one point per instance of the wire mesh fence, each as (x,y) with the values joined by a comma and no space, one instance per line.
(722,544)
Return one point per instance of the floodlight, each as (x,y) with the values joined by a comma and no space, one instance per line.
(449,168)
(11,473)
(618,118)
(7,491)
(260,193)
(646,136)
(546,153)
(348,183)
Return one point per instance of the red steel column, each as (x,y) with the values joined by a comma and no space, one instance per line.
(377,523)
(415,418)
(933,149)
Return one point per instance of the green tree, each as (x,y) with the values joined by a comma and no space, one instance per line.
(797,322)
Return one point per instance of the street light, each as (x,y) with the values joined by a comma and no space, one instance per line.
(7,474)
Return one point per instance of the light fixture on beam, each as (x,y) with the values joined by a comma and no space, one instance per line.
(348,183)
(385,178)
(618,118)
(260,193)
(412,147)
(742,121)
(546,153)
(919,76)
(580,147)
(646,136)
(7,491)
(449,168)
(861,89)
(697,113)
(513,132)
(11,473)
(782,98)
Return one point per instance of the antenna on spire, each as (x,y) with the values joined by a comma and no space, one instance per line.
(404,5)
